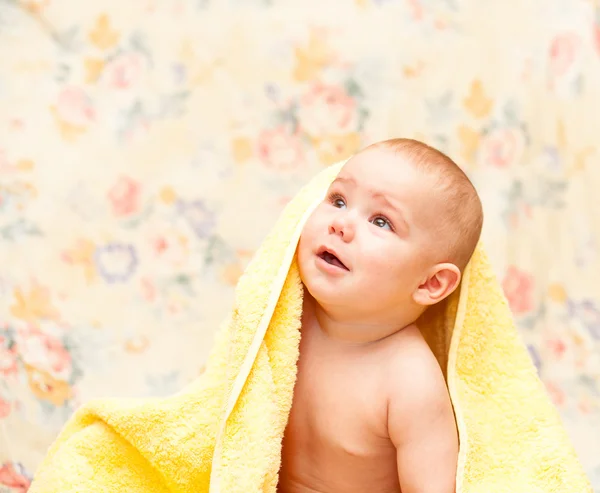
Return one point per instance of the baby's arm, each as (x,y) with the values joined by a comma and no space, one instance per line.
(422,427)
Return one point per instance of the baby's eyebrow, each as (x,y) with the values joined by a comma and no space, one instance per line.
(383,199)
(343,179)
(377,196)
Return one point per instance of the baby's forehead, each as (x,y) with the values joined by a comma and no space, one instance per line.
(378,166)
(393,175)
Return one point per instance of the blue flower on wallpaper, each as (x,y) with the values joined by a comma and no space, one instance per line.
(162,385)
(179,72)
(535,357)
(551,159)
(200,218)
(589,314)
(116,262)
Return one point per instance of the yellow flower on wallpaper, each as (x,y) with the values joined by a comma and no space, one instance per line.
(47,388)
(33,305)
(168,196)
(334,148)
(35,6)
(25,165)
(242,149)
(557,292)
(82,254)
(137,344)
(67,131)
(231,273)
(412,71)
(102,35)
(477,102)
(22,193)
(561,134)
(580,160)
(200,70)
(469,141)
(93,69)
(310,60)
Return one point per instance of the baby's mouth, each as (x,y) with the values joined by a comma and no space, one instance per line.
(330,258)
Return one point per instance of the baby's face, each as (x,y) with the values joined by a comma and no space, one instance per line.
(368,245)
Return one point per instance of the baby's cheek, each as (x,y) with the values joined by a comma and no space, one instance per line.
(304,250)
(311,228)
(391,266)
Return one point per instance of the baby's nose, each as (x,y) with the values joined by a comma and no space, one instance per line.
(343,227)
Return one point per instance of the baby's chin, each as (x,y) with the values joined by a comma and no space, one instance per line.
(327,295)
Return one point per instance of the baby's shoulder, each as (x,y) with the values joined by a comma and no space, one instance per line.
(414,370)
(408,347)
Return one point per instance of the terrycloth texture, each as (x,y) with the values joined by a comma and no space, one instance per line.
(223,433)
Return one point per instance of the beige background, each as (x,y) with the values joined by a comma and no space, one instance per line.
(147,147)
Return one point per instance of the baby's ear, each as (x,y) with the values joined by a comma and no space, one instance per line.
(442,280)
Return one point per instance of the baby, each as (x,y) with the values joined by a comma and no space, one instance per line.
(371,411)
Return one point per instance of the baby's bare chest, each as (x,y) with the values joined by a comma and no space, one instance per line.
(336,434)
(339,403)
(342,401)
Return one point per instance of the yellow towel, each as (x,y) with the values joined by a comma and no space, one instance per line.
(223,434)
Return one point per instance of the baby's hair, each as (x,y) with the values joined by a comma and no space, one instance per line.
(462,223)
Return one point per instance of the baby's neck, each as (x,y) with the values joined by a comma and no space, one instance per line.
(339,328)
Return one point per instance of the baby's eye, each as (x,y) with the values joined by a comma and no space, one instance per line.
(382,222)
(337,200)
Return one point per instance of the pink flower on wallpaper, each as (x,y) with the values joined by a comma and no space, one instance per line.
(557,347)
(14,477)
(597,37)
(8,359)
(563,52)
(518,289)
(327,110)
(160,244)
(148,289)
(503,147)
(74,107)
(124,196)
(124,71)
(45,352)
(279,149)
(5,408)
(557,395)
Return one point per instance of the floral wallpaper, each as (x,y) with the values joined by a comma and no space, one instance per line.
(147,147)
